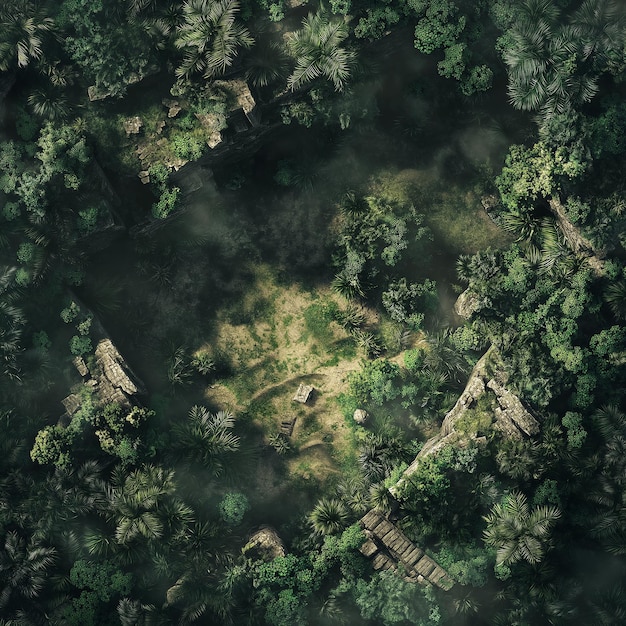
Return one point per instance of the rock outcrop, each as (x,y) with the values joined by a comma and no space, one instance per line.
(265,544)
(575,240)
(508,414)
(467,304)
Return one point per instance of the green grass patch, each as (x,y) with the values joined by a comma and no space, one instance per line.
(478,419)
(262,410)
(459,222)
(308,425)
(317,319)
(342,350)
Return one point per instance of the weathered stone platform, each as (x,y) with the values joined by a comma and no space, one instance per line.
(389,549)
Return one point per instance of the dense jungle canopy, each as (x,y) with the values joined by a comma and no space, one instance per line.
(312,312)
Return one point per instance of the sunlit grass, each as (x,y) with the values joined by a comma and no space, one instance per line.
(460,224)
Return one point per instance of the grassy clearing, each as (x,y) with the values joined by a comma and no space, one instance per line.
(459,221)
(279,335)
(276,337)
(454,214)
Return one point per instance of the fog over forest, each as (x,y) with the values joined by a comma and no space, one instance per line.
(312,313)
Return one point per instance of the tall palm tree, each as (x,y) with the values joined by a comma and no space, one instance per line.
(599,24)
(542,62)
(12,323)
(206,438)
(318,51)
(517,532)
(143,506)
(329,516)
(23,568)
(210,36)
(22,24)
(267,64)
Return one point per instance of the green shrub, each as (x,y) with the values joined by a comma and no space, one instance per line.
(233,507)
(168,201)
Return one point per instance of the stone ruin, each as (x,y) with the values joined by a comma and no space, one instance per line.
(388,548)
(109,376)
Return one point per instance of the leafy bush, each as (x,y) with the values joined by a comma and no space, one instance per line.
(80,345)
(376,382)
(168,201)
(233,507)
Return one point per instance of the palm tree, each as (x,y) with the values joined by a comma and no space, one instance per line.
(200,591)
(367,342)
(608,491)
(143,506)
(347,284)
(517,532)
(615,296)
(11,324)
(442,357)
(611,422)
(541,59)
(210,37)
(22,23)
(23,568)
(374,461)
(317,49)
(609,608)
(134,613)
(381,498)
(353,491)
(329,516)
(266,64)
(206,438)
(599,25)
(51,105)
(518,459)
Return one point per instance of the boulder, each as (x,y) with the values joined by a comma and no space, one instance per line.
(173,107)
(360,416)
(265,544)
(467,304)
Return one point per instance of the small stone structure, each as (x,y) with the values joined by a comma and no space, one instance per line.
(389,549)
(243,98)
(132,125)
(173,107)
(303,394)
